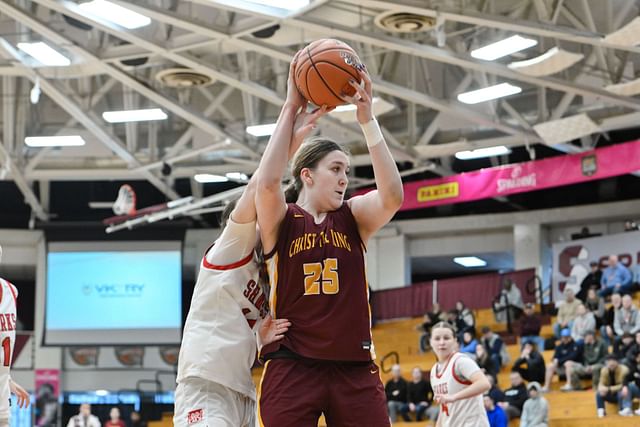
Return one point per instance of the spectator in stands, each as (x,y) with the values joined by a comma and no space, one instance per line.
(567,312)
(612,388)
(509,299)
(567,350)
(114,419)
(485,362)
(430,318)
(630,225)
(496,415)
(469,344)
(585,321)
(530,326)
(633,380)
(606,330)
(530,364)
(536,409)
(633,351)
(595,304)
(591,280)
(136,420)
(396,391)
(419,398)
(494,346)
(627,318)
(84,418)
(465,320)
(514,396)
(615,278)
(622,347)
(496,394)
(594,351)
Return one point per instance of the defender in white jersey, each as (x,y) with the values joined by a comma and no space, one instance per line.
(457,382)
(8,296)
(228,309)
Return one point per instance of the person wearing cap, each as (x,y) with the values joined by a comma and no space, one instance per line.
(591,280)
(567,350)
(567,312)
(594,350)
(530,326)
(612,388)
(535,412)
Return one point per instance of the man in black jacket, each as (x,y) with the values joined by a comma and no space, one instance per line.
(419,397)
(514,396)
(530,364)
(591,280)
(396,391)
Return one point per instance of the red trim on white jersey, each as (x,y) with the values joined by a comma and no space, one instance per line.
(444,369)
(243,261)
(13,290)
(455,377)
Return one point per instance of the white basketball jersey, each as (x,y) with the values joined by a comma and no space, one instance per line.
(219,342)
(450,379)
(8,295)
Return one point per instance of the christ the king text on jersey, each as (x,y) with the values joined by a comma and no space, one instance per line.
(309,240)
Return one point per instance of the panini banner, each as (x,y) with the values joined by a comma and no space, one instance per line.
(619,159)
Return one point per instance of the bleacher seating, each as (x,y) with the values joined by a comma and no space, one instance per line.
(573,409)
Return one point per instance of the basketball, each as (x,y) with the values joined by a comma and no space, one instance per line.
(324,70)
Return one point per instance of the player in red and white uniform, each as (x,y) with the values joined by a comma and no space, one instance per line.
(457,382)
(8,295)
(228,309)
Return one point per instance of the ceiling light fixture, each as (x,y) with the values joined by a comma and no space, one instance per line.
(115,13)
(551,62)
(503,48)
(283,4)
(261,130)
(488,93)
(54,141)
(206,178)
(483,152)
(134,115)
(45,54)
(470,261)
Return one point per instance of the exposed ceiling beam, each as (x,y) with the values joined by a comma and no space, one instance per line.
(472,17)
(191,116)
(460,60)
(23,185)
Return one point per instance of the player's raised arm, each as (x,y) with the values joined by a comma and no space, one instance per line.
(376,208)
(293,125)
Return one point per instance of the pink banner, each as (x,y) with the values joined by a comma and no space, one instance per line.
(592,165)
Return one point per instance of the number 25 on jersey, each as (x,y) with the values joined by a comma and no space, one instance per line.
(323,274)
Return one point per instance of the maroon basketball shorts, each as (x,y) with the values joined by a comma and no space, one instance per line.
(295,392)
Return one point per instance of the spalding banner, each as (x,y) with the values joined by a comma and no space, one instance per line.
(571,259)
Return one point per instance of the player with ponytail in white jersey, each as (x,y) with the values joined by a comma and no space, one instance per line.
(457,382)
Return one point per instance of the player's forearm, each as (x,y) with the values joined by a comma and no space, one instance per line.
(387,177)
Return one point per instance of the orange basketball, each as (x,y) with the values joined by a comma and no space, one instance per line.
(323,72)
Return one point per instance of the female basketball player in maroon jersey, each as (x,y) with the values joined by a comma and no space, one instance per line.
(457,382)
(315,251)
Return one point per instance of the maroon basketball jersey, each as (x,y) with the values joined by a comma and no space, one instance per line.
(318,282)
